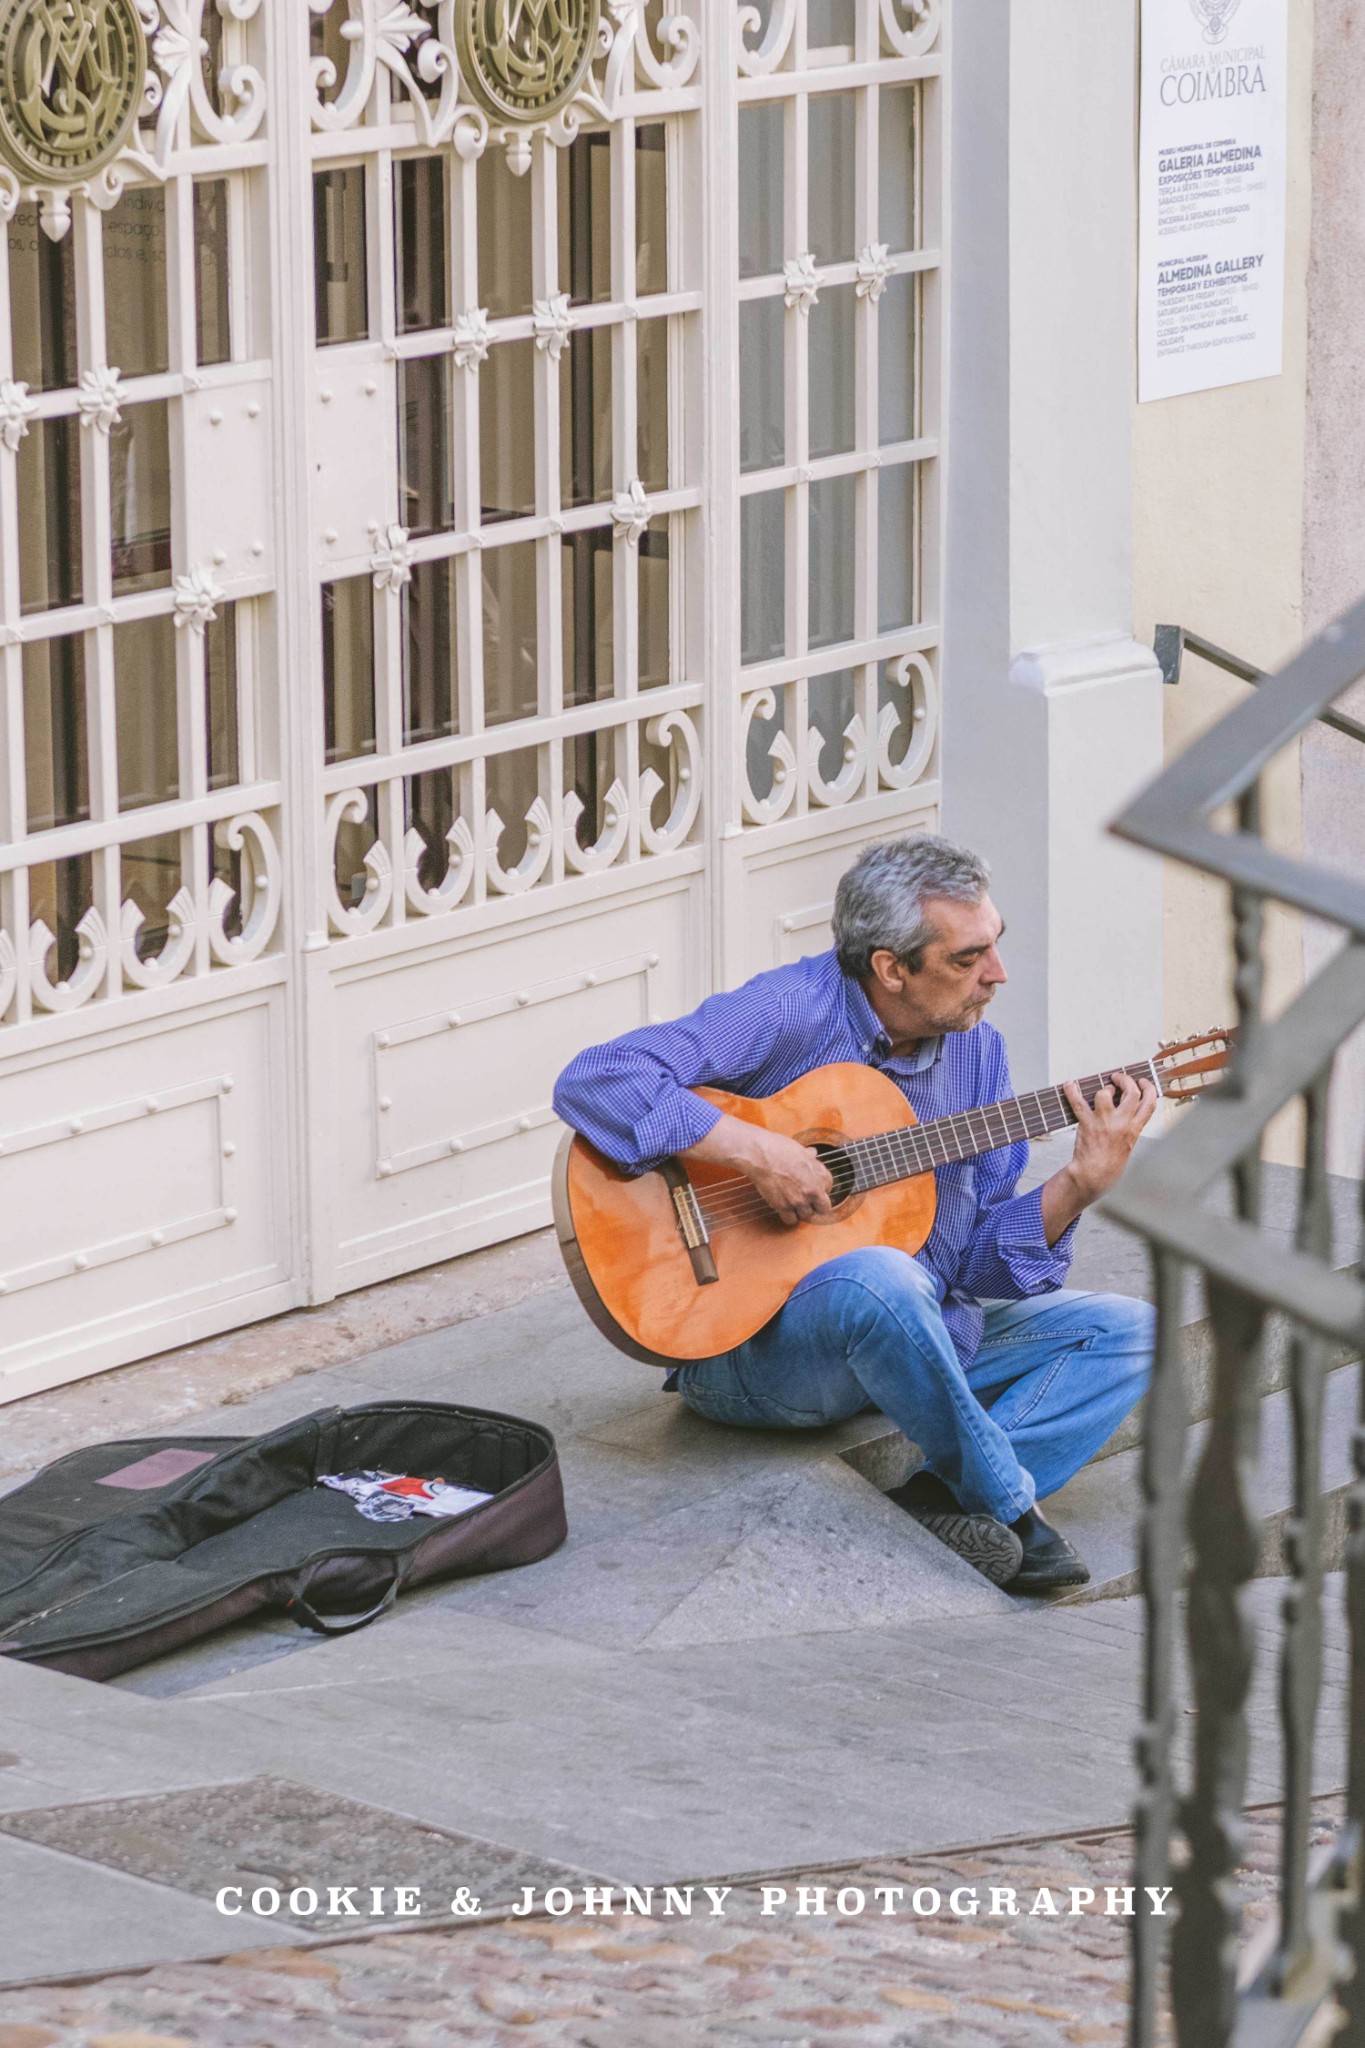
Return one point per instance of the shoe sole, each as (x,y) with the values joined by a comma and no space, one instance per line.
(980,1541)
(1059,1581)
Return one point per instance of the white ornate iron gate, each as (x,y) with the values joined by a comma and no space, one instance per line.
(469,571)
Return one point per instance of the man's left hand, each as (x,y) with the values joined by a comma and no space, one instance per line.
(1105,1136)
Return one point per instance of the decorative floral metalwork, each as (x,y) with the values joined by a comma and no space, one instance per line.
(178,48)
(919,722)
(351,806)
(474,69)
(527,62)
(92,961)
(630,513)
(197,598)
(99,399)
(757,60)
(454,885)
(157,969)
(852,774)
(551,324)
(471,339)
(675,733)
(910,27)
(535,859)
(872,270)
(610,842)
(391,562)
(16,410)
(802,282)
(252,839)
(72,79)
(169,78)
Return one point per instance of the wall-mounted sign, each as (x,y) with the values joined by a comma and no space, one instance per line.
(72,74)
(525,59)
(1211,186)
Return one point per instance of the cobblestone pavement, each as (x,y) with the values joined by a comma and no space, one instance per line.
(784,1980)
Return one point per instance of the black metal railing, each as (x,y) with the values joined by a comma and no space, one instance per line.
(1314,1975)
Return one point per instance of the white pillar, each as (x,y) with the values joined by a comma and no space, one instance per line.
(1052,711)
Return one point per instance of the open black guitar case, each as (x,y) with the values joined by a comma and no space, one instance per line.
(118,1553)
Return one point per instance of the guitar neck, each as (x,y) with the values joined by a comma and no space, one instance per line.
(919,1148)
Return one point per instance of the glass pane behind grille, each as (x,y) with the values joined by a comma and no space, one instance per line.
(507,431)
(220,689)
(504,203)
(424,482)
(340,284)
(348,667)
(135,282)
(651,388)
(655,638)
(763,575)
(422,244)
(140,498)
(586,600)
(50,568)
(832,537)
(213,339)
(145,700)
(651,209)
(510,640)
(42,289)
(762,385)
(760,190)
(585,218)
(897,336)
(898,169)
(56,747)
(833,166)
(833,371)
(429,641)
(585,418)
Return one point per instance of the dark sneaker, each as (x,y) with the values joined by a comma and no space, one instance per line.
(1049,1561)
(995,1551)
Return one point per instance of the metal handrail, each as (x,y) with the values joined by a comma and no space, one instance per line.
(1318,1962)
(1169,644)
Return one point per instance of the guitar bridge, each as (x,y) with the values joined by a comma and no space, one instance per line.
(691,1224)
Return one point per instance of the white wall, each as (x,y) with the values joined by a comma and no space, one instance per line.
(1052,711)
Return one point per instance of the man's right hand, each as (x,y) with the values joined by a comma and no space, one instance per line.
(789,1176)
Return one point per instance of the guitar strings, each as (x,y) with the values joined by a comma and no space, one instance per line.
(908,1150)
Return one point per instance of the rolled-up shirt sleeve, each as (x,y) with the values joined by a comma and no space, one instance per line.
(632,1098)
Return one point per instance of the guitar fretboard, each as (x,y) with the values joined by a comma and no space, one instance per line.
(919,1148)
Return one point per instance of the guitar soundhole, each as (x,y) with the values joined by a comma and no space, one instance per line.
(840,1166)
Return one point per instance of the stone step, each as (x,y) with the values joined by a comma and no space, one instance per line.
(1099,1508)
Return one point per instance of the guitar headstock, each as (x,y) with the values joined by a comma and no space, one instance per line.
(1185,1067)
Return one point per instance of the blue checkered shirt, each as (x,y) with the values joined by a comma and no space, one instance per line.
(632,1098)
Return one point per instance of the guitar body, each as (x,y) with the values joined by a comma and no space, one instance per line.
(625,1251)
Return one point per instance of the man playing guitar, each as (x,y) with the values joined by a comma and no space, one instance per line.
(1008,1382)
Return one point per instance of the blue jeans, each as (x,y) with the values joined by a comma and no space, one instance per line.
(1053,1379)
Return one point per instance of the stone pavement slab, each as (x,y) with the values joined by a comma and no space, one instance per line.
(743,1658)
(60,1914)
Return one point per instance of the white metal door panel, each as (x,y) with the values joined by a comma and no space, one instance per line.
(143,1190)
(509,568)
(454,1060)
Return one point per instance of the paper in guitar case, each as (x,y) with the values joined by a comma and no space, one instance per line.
(118,1553)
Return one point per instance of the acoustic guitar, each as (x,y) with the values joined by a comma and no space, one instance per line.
(687,1261)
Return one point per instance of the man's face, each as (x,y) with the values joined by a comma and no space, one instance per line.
(960,973)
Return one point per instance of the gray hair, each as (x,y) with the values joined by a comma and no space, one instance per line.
(880,901)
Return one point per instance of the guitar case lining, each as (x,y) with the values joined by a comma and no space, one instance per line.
(115,1554)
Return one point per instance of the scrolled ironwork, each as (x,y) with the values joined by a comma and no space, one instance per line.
(1308,1981)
